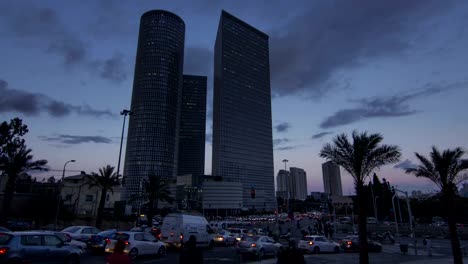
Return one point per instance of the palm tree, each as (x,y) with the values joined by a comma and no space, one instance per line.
(444,169)
(155,189)
(13,162)
(106,180)
(360,158)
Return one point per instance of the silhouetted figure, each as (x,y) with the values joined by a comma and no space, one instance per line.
(190,254)
(118,257)
(295,254)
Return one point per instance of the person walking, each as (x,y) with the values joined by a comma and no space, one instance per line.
(119,257)
(190,254)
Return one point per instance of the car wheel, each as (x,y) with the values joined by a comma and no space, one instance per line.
(133,254)
(162,251)
(261,254)
(316,250)
(336,250)
(73,259)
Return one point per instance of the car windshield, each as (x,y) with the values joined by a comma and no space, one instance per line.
(62,237)
(5,238)
(71,229)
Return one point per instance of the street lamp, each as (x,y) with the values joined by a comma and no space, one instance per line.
(59,195)
(124,113)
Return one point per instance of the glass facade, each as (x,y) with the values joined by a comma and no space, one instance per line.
(152,141)
(192,126)
(242,126)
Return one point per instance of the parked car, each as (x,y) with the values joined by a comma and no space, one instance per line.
(318,244)
(351,244)
(224,238)
(81,233)
(155,231)
(258,246)
(36,247)
(137,244)
(65,238)
(97,243)
(177,228)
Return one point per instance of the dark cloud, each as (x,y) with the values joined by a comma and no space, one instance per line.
(43,28)
(198,61)
(406,164)
(73,139)
(13,100)
(279,141)
(282,127)
(320,135)
(391,106)
(288,147)
(330,36)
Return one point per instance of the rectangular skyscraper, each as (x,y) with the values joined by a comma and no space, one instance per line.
(298,183)
(242,127)
(192,126)
(331,178)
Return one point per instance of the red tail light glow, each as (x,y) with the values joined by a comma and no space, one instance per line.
(253,245)
(127,243)
(107,241)
(3,250)
(349,243)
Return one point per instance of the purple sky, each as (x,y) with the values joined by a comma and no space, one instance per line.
(394,67)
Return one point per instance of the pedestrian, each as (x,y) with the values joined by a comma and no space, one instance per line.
(118,257)
(190,254)
(429,247)
(295,254)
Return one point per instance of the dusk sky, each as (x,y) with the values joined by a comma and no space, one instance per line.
(394,67)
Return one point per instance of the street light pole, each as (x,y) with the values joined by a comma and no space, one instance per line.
(394,213)
(124,113)
(59,194)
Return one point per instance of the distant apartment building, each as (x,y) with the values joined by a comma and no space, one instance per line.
(298,183)
(332,178)
(282,184)
(242,122)
(81,199)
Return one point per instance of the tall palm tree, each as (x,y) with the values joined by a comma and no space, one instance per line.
(13,162)
(444,169)
(360,158)
(155,189)
(106,180)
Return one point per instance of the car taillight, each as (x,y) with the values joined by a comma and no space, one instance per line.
(3,250)
(159,236)
(311,243)
(127,243)
(107,241)
(253,245)
(181,236)
(349,243)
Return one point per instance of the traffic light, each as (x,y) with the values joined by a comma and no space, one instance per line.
(252,193)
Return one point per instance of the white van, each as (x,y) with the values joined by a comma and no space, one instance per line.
(177,228)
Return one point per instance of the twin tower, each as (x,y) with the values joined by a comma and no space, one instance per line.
(166,133)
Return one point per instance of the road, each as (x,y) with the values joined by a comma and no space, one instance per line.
(227,255)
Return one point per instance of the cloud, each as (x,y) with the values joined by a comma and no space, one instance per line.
(328,36)
(278,141)
(385,107)
(198,61)
(282,127)
(73,140)
(406,164)
(43,28)
(31,104)
(320,135)
(288,147)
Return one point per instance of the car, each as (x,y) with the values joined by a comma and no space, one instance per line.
(351,244)
(155,231)
(223,237)
(137,244)
(318,244)
(81,233)
(238,233)
(97,243)
(177,228)
(258,246)
(65,238)
(36,247)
